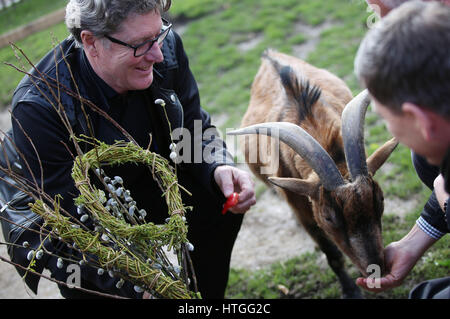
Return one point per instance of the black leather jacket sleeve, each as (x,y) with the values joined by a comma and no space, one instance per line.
(213,147)
(52,141)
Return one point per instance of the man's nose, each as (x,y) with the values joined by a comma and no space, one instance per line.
(155,54)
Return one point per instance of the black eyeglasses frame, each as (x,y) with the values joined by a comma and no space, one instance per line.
(165,30)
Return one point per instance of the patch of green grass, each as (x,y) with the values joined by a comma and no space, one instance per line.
(26,11)
(194,9)
(35,47)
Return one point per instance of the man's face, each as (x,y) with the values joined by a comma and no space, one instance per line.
(117,65)
(410,132)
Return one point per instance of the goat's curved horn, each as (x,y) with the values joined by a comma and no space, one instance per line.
(353,134)
(303,144)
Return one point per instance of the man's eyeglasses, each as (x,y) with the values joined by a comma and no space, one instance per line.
(143,48)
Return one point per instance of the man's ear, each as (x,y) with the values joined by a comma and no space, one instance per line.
(423,119)
(89,43)
(379,6)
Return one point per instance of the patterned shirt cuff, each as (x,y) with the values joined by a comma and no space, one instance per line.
(428,229)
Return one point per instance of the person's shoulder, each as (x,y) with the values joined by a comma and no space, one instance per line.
(48,76)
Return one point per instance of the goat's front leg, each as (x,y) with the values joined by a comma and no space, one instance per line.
(336,261)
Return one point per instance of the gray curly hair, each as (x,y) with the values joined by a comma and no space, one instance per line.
(103,17)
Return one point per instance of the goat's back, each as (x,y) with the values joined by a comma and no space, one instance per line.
(268,96)
(282,84)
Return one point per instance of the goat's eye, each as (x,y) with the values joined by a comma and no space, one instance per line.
(332,210)
(330,217)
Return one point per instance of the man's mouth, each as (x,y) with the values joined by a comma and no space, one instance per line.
(144,68)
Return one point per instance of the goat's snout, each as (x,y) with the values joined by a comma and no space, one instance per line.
(368,256)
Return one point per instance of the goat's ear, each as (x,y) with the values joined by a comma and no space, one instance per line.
(380,156)
(309,187)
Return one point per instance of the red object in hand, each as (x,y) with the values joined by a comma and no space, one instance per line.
(232,200)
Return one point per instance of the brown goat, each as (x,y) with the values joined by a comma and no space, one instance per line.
(321,167)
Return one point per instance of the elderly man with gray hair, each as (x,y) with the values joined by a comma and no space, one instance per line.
(125,58)
(404,62)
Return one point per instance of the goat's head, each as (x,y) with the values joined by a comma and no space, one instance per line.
(347,209)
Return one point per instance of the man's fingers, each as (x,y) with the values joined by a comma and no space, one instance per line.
(243,206)
(231,179)
(378,284)
(224,180)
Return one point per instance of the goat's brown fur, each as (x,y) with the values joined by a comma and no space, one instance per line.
(287,89)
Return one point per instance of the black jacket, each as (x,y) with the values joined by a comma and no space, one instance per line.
(433,220)
(136,112)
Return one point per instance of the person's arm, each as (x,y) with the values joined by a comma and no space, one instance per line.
(46,150)
(432,219)
(216,171)
(442,198)
(441,195)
